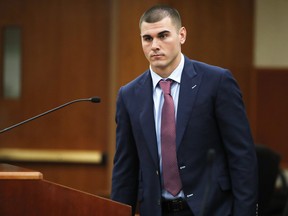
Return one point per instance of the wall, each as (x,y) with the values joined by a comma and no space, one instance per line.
(65,56)
(271,75)
(271,33)
(74,49)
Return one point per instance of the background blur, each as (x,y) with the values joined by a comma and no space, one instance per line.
(69,49)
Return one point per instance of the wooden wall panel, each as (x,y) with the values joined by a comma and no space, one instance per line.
(131,61)
(272,110)
(222,34)
(65,57)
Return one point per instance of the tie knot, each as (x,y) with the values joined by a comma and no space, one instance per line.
(166,85)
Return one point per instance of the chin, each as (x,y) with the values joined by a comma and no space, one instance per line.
(158,64)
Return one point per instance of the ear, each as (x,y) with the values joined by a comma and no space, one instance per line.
(182,35)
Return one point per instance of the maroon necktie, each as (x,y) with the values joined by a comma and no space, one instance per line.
(170,172)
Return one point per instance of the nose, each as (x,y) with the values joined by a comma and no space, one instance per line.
(155,44)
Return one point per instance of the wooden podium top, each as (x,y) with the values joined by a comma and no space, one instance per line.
(21,196)
(8,171)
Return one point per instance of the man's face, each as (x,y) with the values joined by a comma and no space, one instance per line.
(161,43)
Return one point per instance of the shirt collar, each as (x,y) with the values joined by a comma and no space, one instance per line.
(175,75)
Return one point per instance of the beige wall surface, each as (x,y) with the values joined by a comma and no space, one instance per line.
(271,33)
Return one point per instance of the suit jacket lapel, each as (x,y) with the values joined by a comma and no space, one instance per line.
(189,86)
(144,94)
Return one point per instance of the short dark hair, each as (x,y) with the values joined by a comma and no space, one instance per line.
(159,12)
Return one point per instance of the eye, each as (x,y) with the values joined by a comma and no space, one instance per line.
(163,35)
(147,38)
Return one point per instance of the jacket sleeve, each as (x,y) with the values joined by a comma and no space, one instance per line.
(238,143)
(126,163)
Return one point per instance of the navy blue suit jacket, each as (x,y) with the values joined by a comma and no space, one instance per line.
(211,115)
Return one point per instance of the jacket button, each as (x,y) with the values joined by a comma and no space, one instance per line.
(157,172)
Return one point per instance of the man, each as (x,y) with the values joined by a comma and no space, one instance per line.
(210,120)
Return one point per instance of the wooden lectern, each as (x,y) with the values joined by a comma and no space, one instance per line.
(25,192)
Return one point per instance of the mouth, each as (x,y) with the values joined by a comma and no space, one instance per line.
(156,55)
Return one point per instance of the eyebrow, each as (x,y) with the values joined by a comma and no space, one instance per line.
(160,33)
(163,32)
